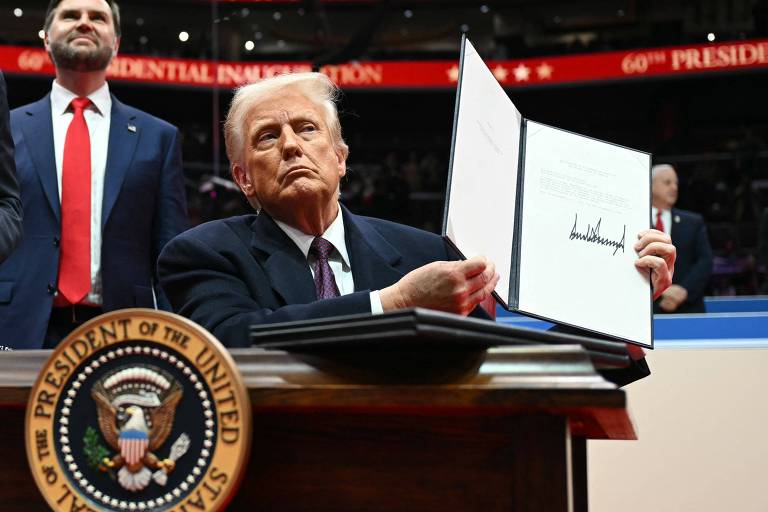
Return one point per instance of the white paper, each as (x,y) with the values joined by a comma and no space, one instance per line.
(584,201)
(481,209)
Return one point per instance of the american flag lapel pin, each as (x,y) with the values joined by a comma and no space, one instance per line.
(132,128)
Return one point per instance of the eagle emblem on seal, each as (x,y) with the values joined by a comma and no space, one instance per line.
(136,407)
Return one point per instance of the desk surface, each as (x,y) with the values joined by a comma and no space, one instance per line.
(509,380)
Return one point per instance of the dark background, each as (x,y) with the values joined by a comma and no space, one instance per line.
(713,127)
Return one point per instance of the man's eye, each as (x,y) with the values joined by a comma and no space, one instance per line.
(266,137)
(308,128)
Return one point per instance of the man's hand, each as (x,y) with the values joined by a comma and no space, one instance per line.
(672,298)
(657,254)
(452,286)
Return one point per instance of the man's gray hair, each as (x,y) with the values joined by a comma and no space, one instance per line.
(656,169)
(317,87)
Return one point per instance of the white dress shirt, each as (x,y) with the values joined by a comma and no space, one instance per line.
(97,117)
(666,219)
(338,260)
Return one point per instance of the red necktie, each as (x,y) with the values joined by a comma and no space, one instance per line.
(659,224)
(75,259)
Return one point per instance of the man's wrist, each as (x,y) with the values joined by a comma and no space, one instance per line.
(389,298)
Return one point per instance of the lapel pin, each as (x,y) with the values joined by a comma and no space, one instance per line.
(677,218)
(132,128)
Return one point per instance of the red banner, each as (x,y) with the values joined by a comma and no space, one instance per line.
(422,74)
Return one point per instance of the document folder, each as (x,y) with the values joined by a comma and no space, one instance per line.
(557,212)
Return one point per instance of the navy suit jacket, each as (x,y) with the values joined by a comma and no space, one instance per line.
(694,259)
(143,208)
(230,274)
(10,205)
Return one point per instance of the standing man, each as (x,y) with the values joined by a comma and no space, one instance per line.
(10,206)
(101,184)
(762,246)
(305,255)
(689,235)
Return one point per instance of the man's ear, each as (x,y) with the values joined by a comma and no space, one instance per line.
(341,157)
(116,47)
(243,180)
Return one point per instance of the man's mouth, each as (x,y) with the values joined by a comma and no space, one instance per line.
(82,38)
(297,169)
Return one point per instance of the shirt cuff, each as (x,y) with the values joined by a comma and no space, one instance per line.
(376,307)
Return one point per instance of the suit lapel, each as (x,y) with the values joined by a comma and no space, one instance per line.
(124,136)
(373,259)
(285,265)
(679,228)
(37,127)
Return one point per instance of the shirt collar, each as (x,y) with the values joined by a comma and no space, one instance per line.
(334,234)
(61,97)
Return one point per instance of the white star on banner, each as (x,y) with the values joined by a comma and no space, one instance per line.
(501,73)
(453,73)
(544,71)
(521,72)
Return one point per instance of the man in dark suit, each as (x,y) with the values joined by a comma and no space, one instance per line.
(762,245)
(304,255)
(10,205)
(689,235)
(101,184)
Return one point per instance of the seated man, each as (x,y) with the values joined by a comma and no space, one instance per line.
(304,255)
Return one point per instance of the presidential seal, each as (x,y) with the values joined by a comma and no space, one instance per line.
(138,410)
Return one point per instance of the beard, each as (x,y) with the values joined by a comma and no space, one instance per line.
(73,58)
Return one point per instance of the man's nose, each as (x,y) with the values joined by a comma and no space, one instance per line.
(291,144)
(84,22)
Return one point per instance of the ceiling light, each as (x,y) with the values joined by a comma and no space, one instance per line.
(18,12)
(249,45)
(710,37)
(484,9)
(277,15)
(408,13)
(183,36)
(41,34)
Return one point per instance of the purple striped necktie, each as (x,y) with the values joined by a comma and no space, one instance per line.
(325,283)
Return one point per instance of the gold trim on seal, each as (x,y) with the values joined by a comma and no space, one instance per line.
(113,333)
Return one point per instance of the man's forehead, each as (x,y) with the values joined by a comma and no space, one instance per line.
(282,114)
(283,105)
(666,174)
(83,5)
(669,174)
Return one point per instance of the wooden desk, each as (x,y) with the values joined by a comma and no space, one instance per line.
(504,432)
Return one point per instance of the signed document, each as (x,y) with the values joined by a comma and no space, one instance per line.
(557,212)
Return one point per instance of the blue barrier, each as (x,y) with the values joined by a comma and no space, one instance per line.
(729,329)
(752,303)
